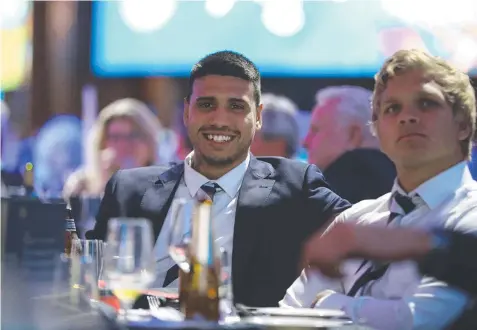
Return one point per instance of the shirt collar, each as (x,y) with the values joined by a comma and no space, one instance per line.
(230,182)
(435,190)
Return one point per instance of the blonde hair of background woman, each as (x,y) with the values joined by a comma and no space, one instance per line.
(92,180)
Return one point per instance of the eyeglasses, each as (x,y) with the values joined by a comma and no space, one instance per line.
(133,136)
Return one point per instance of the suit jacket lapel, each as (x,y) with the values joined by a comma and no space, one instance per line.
(256,186)
(158,199)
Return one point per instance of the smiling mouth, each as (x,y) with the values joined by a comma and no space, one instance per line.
(219,138)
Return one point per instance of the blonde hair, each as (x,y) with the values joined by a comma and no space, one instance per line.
(455,85)
(131,109)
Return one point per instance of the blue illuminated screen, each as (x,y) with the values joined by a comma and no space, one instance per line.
(314,38)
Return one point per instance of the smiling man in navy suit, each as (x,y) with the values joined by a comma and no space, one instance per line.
(263,208)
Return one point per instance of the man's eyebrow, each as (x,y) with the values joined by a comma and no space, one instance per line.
(425,93)
(234,99)
(389,100)
(205,98)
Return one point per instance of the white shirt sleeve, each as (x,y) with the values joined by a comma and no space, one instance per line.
(303,291)
(433,306)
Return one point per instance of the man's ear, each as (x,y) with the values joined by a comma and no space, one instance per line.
(355,136)
(258,120)
(185,114)
(464,128)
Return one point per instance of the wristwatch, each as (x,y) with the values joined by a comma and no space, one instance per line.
(440,239)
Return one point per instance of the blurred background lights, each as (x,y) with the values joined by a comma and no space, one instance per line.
(219,8)
(13,13)
(433,13)
(284,18)
(147,15)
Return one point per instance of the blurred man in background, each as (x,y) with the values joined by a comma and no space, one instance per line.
(279,134)
(341,144)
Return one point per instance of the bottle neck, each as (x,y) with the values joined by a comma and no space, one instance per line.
(69,220)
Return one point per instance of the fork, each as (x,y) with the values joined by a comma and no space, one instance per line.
(154,303)
(163,313)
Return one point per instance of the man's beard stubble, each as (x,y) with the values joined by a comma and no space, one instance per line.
(224,161)
(200,158)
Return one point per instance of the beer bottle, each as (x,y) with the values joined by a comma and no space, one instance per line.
(70,231)
(201,301)
(184,283)
(28,180)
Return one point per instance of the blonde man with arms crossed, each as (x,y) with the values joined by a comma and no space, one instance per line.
(424,116)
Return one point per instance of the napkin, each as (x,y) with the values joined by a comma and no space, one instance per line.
(167,314)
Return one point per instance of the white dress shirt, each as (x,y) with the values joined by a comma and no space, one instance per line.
(402,299)
(223,212)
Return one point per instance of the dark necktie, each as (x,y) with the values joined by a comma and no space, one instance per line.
(375,273)
(210,189)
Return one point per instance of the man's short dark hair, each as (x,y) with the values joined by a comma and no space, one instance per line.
(227,63)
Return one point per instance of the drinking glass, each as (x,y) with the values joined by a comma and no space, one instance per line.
(90,253)
(76,274)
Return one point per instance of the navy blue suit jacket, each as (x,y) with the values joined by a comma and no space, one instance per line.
(281,202)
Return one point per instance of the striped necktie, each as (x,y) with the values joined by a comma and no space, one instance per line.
(375,272)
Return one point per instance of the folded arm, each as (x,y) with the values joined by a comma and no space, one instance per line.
(434,305)
(321,201)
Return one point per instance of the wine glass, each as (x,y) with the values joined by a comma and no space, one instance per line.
(227,308)
(129,266)
(180,233)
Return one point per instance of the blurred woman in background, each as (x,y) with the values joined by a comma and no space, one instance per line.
(125,135)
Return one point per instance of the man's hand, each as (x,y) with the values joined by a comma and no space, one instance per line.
(327,250)
(320,296)
(341,241)
(109,162)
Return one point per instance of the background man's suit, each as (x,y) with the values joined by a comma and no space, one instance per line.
(281,202)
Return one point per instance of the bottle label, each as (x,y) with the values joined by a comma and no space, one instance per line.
(70,225)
